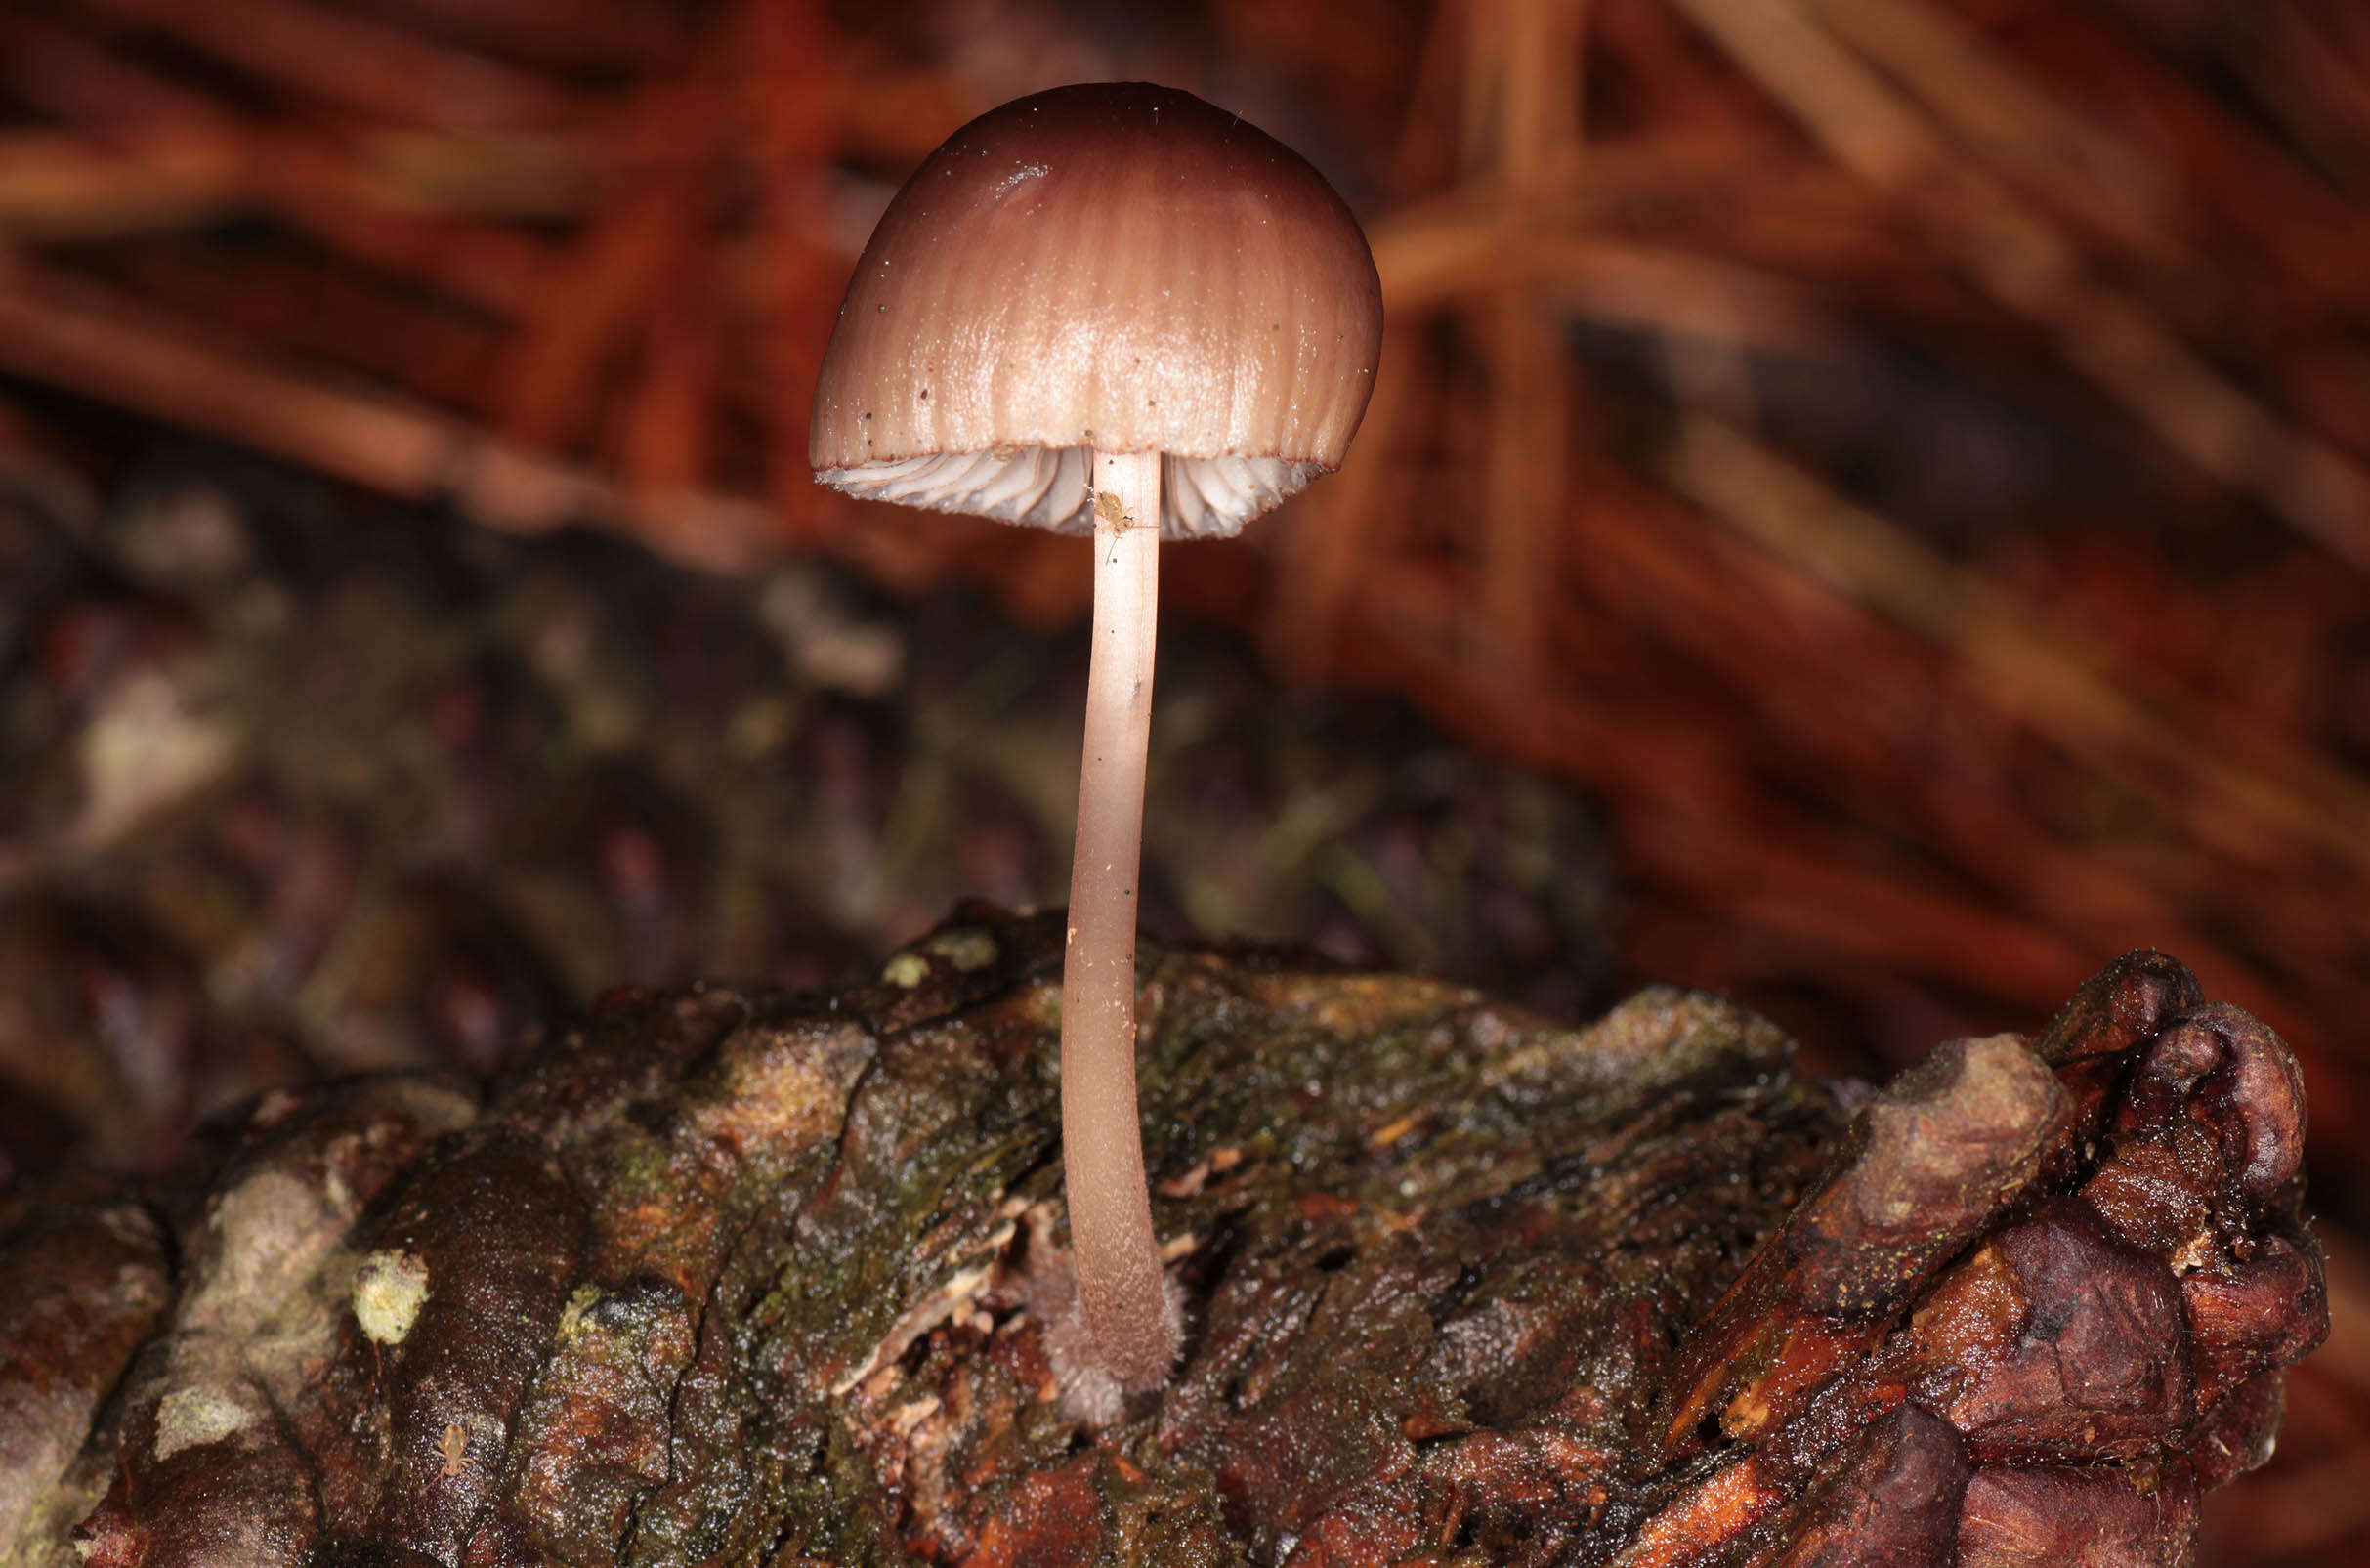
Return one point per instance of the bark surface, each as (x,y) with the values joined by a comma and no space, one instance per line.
(724,1276)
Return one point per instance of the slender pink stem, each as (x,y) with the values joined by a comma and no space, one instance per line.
(1120,1285)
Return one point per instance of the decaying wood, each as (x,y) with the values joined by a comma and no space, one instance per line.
(735,1276)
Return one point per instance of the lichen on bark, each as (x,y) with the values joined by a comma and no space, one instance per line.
(734,1276)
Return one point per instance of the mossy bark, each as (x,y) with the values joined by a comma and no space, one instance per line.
(724,1276)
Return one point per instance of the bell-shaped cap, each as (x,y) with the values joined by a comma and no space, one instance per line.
(1111,266)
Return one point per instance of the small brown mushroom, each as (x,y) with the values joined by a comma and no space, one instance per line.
(1110,307)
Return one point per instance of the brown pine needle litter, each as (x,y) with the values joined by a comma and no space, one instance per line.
(1909,459)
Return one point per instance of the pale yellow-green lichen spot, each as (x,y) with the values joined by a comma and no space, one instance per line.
(196,1415)
(389,1288)
(574,1316)
(966,947)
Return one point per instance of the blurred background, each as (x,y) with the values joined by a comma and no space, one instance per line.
(1865,507)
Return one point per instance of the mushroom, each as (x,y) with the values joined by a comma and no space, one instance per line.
(1108,308)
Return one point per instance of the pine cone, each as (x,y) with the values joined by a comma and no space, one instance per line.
(755,1277)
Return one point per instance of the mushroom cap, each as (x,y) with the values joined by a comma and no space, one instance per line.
(1113,266)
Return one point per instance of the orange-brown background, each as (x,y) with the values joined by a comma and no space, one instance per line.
(1909,460)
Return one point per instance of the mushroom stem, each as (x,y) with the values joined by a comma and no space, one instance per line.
(1120,1288)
